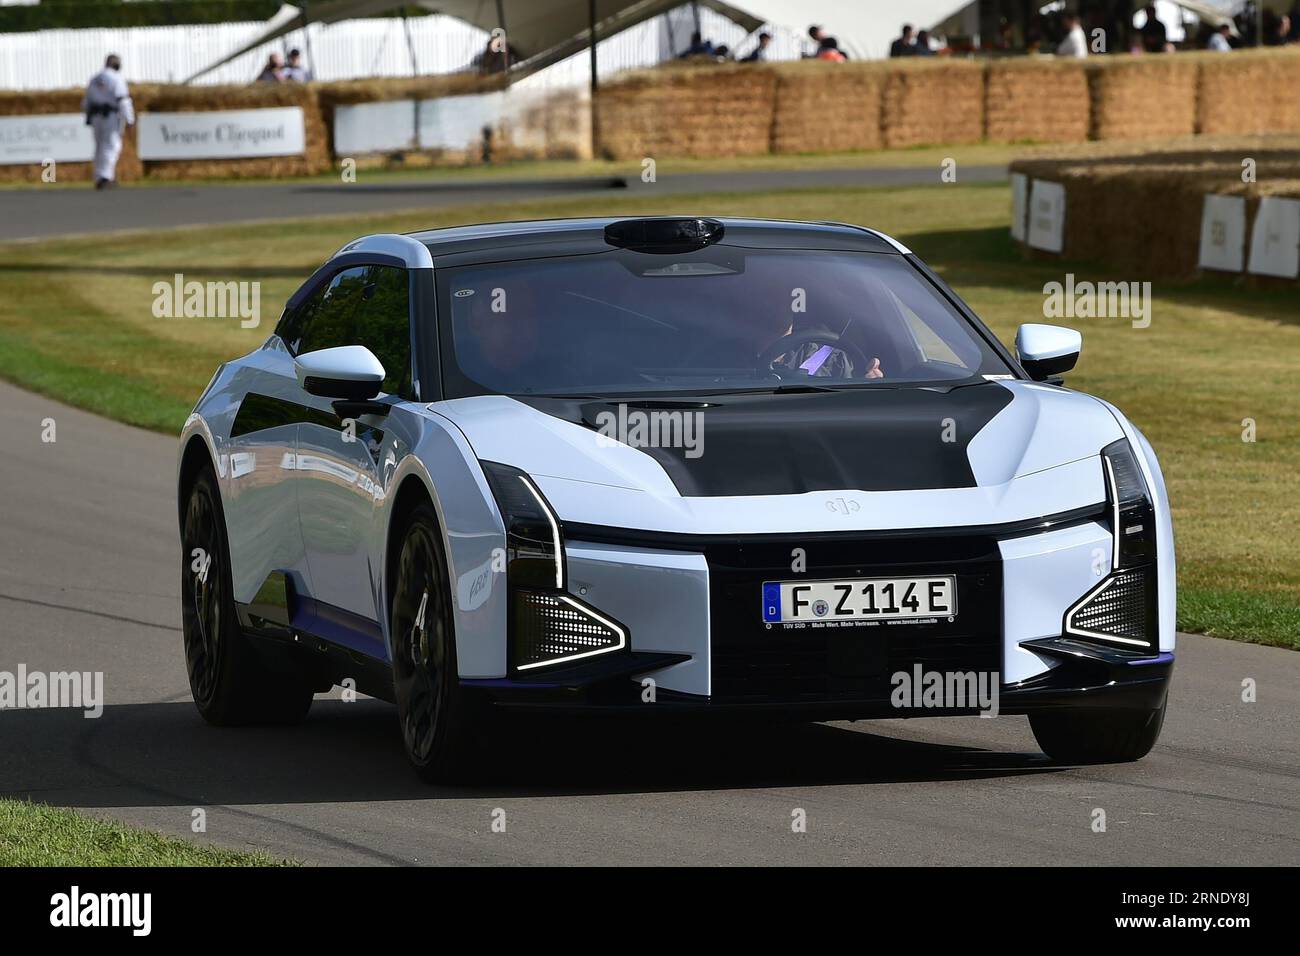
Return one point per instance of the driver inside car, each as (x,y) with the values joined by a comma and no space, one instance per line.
(822,358)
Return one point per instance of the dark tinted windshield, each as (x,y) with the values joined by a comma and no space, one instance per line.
(720,318)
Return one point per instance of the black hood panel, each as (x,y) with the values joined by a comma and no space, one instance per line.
(869,439)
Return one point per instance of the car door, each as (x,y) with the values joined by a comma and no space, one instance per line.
(257,465)
(342,461)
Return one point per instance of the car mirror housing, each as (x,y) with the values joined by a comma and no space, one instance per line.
(349,371)
(1047,350)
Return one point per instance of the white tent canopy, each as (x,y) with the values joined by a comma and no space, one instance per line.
(542,31)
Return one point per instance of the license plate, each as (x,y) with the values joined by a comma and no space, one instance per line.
(861,599)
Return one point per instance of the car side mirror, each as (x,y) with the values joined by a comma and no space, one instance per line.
(1047,350)
(349,371)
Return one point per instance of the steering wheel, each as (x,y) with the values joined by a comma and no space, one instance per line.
(790,343)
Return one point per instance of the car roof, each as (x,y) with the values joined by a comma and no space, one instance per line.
(483,242)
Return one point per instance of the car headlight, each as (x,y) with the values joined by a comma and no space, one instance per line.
(1132,513)
(546,625)
(1122,608)
(534,549)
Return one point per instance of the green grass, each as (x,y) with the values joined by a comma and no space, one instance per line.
(975,154)
(32,834)
(76,323)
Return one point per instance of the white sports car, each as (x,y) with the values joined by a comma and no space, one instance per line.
(668,465)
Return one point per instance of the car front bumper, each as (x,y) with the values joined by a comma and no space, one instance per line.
(698,644)
(1087,677)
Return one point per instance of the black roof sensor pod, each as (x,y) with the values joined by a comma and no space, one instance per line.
(669,234)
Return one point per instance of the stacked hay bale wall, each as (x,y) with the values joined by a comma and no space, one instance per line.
(712,110)
(1250,94)
(1037,100)
(552,125)
(720,110)
(198,99)
(933,101)
(1143,97)
(1141,212)
(820,110)
(46,102)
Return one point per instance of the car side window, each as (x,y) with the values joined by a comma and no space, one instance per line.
(365,305)
(381,323)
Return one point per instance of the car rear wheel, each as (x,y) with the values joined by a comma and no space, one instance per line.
(436,716)
(1092,736)
(230,682)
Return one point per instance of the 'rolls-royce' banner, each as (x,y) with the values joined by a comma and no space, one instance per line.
(62,137)
(222,134)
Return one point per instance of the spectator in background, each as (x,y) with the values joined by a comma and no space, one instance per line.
(923,44)
(819,37)
(905,45)
(1295,23)
(273,72)
(1282,35)
(759,53)
(1154,35)
(1075,43)
(816,34)
(108,108)
(1219,39)
(699,46)
(294,71)
(830,50)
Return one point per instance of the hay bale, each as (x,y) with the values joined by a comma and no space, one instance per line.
(1036,99)
(199,99)
(546,125)
(45,102)
(931,101)
(687,110)
(1140,212)
(1146,96)
(823,107)
(1251,91)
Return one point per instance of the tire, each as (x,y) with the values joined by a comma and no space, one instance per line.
(230,682)
(437,718)
(1097,736)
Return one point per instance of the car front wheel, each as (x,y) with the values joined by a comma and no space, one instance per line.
(434,712)
(1097,736)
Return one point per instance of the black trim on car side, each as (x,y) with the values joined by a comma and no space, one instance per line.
(258,412)
(425,347)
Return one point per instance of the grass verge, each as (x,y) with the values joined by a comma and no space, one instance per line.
(32,834)
(76,323)
(972,154)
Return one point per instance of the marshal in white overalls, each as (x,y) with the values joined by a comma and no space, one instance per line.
(108,108)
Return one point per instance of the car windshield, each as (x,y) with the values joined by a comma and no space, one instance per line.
(717,319)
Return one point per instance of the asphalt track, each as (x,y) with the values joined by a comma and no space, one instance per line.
(89,581)
(36,212)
